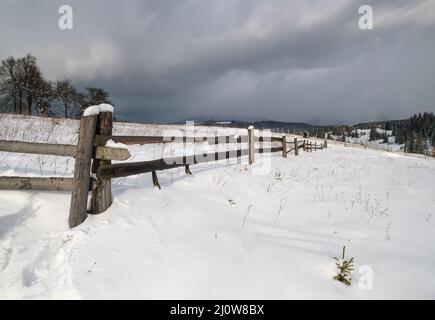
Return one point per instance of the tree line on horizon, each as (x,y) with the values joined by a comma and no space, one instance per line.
(24,90)
(417,133)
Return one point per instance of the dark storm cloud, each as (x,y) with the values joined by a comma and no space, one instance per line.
(286,60)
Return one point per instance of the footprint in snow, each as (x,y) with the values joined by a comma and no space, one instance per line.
(232,203)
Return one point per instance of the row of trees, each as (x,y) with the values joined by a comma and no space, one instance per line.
(417,133)
(375,135)
(24,90)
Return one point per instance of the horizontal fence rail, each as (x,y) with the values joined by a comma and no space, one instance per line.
(39,183)
(141,140)
(64,150)
(133,168)
(127,169)
(38,148)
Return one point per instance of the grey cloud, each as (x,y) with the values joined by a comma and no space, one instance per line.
(285,60)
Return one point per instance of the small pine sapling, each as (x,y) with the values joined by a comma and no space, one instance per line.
(345,268)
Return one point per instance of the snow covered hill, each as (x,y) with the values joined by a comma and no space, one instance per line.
(224,232)
(363,138)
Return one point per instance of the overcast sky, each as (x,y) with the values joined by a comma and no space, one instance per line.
(289,60)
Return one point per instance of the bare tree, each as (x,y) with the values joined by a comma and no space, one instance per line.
(8,75)
(67,96)
(44,93)
(30,77)
(24,90)
(18,78)
(95,96)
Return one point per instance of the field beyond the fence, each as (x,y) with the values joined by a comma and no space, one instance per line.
(222,232)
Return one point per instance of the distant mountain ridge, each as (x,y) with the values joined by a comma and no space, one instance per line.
(257,123)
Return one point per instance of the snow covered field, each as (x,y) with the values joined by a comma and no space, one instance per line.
(224,232)
(364,139)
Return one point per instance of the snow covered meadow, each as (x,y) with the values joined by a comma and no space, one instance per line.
(224,232)
(363,138)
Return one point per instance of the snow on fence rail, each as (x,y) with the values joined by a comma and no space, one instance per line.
(96,148)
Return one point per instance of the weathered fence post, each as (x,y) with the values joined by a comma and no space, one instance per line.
(315,145)
(296,146)
(304,146)
(82,172)
(311,146)
(251,144)
(325,144)
(284,146)
(102,195)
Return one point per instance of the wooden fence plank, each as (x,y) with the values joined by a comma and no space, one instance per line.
(63,150)
(79,196)
(102,195)
(109,153)
(268,150)
(39,183)
(38,148)
(132,168)
(129,140)
(266,139)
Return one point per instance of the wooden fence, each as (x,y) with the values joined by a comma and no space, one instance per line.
(92,155)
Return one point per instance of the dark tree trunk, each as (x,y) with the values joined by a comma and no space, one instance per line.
(29,105)
(20,103)
(66,107)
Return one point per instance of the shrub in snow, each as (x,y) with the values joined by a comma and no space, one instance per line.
(278,176)
(345,268)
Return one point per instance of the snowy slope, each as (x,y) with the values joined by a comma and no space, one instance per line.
(364,140)
(226,232)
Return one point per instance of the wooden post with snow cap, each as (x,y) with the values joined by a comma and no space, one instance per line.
(82,166)
(296,147)
(284,146)
(251,145)
(102,195)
